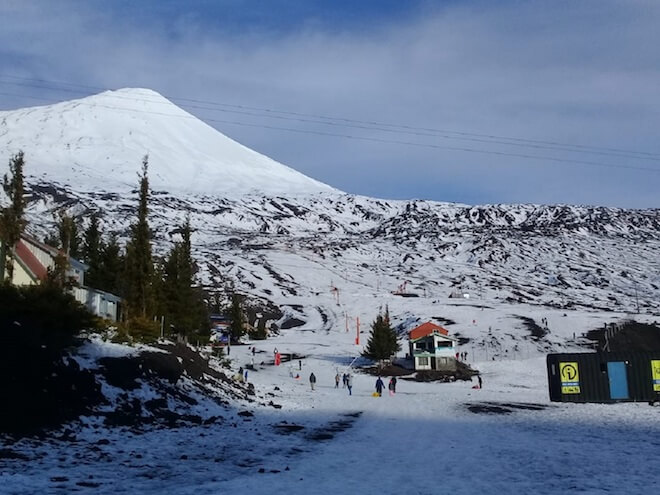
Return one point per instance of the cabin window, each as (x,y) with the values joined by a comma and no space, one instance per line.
(420,345)
(423,361)
(444,343)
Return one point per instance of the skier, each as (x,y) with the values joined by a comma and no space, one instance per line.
(246,375)
(380,385)
(480,381)
(337,380)
(391,386)
(349,383)
(254,349)
(299,364)
(312,380)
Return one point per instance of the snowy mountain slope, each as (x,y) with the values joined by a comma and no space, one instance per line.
(319,255)
(292,251)
(99,142)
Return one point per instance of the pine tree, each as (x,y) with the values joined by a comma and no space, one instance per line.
(66,232)
(139,264)
(109,276)
(69,238)
(383,342)
(180,302)
(12,222)
(237,319)
(92,249)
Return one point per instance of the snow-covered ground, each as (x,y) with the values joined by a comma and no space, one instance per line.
(325,258)
(428,438)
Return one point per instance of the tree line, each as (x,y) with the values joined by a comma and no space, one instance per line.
(157,294)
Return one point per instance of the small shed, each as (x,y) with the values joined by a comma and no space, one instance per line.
(432,348)
(604,377)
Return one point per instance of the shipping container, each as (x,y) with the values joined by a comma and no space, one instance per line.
(604,377)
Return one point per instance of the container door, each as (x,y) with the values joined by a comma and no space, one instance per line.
(616,371)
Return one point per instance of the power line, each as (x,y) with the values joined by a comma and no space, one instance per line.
(365,138)
(365,124)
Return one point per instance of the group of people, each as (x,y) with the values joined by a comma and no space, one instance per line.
(380,385)
(346,378)
(462,356)
(242,375)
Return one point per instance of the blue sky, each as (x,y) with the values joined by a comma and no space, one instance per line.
(466,101)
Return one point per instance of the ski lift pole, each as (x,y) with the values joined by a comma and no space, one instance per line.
(357,328)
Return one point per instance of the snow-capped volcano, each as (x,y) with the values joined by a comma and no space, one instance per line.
(99,141)
(317,254)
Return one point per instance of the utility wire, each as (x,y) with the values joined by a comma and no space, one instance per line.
(365,138)
(361,124)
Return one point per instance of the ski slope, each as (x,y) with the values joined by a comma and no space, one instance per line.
(428,438)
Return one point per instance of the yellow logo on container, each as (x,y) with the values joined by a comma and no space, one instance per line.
(570,378)
(655,371)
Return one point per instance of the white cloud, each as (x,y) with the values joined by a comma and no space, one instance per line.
(571,72)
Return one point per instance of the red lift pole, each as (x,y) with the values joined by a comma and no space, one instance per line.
(357,326)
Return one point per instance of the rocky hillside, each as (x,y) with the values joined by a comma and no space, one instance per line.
(285,248)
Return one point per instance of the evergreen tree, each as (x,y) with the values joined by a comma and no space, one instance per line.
(12,222)
(66,231)
(112,261)
(383,342)
(92,249)
(181,302)
(139,264)
(69,238)
(237,319)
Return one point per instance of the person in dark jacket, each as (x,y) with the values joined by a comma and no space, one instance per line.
(312,380)
(380,385)
(349,383)
(392,386)
(480,381)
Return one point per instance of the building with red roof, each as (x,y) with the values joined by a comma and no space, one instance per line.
(432,348)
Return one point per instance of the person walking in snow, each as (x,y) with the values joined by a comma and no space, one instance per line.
(349,383)
(312,380)
(254,349)
(344,380)
(337,380)
(480,381)
(391,386)
(380,385)
(393,382)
